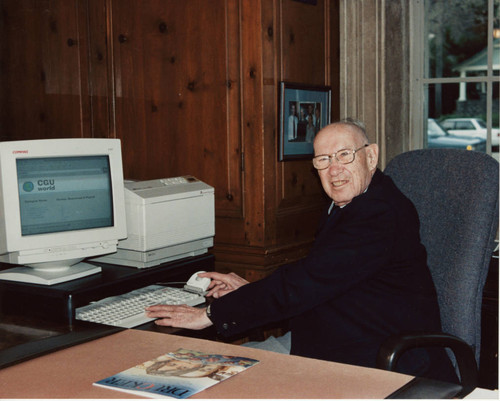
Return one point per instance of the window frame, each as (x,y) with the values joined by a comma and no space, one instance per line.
(420,81)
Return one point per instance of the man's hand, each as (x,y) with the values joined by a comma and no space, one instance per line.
(183,316)
(222,284)
(189,317)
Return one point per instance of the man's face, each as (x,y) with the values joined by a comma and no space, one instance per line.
(343,182)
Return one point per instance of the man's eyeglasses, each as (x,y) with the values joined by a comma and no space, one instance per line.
(344,156)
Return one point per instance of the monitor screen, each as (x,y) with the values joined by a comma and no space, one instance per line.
(61,201)
(64,194)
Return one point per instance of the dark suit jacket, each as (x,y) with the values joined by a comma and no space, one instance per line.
(365,278)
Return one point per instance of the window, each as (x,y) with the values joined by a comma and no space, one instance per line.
(455,74)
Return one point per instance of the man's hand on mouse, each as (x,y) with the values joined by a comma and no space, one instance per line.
(223,284)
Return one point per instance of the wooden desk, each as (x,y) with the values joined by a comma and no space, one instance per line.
(69,373)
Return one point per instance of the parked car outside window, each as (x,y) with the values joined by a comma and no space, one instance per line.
(437,137)
(471,127)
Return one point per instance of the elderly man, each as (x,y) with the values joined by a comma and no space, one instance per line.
(365,278)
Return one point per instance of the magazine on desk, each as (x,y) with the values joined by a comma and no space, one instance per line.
(178,374)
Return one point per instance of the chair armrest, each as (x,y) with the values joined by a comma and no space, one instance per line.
(396,345)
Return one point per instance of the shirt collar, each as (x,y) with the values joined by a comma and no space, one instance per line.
(333,203)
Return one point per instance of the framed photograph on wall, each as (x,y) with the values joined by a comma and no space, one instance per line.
(303,111)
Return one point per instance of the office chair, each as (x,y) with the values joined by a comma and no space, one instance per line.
(455,193)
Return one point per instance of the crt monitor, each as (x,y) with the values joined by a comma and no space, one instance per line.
(61,201)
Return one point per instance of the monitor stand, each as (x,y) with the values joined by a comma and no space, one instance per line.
(47,277)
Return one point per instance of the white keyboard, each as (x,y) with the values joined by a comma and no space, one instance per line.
(127,310)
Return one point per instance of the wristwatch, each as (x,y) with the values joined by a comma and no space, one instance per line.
(209,314)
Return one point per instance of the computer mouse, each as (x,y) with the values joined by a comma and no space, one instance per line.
(197,284)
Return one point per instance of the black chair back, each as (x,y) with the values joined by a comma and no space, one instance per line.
(455,193)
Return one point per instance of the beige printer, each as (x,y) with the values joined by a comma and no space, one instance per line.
(167,219)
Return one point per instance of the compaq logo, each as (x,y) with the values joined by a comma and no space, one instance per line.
(15,152)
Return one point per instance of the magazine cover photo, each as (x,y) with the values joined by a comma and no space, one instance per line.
(178,374)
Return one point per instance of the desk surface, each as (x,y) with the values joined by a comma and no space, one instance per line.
(69,373)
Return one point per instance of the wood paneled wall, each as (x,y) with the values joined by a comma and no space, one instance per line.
(42,82)
(190,87)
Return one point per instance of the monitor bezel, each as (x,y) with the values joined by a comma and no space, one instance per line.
(12,239)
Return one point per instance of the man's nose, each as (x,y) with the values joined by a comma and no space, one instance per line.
(335,167)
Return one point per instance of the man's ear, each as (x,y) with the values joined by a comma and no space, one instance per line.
(372,156)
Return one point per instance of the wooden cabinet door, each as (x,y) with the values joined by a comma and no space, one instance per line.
(176,92)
